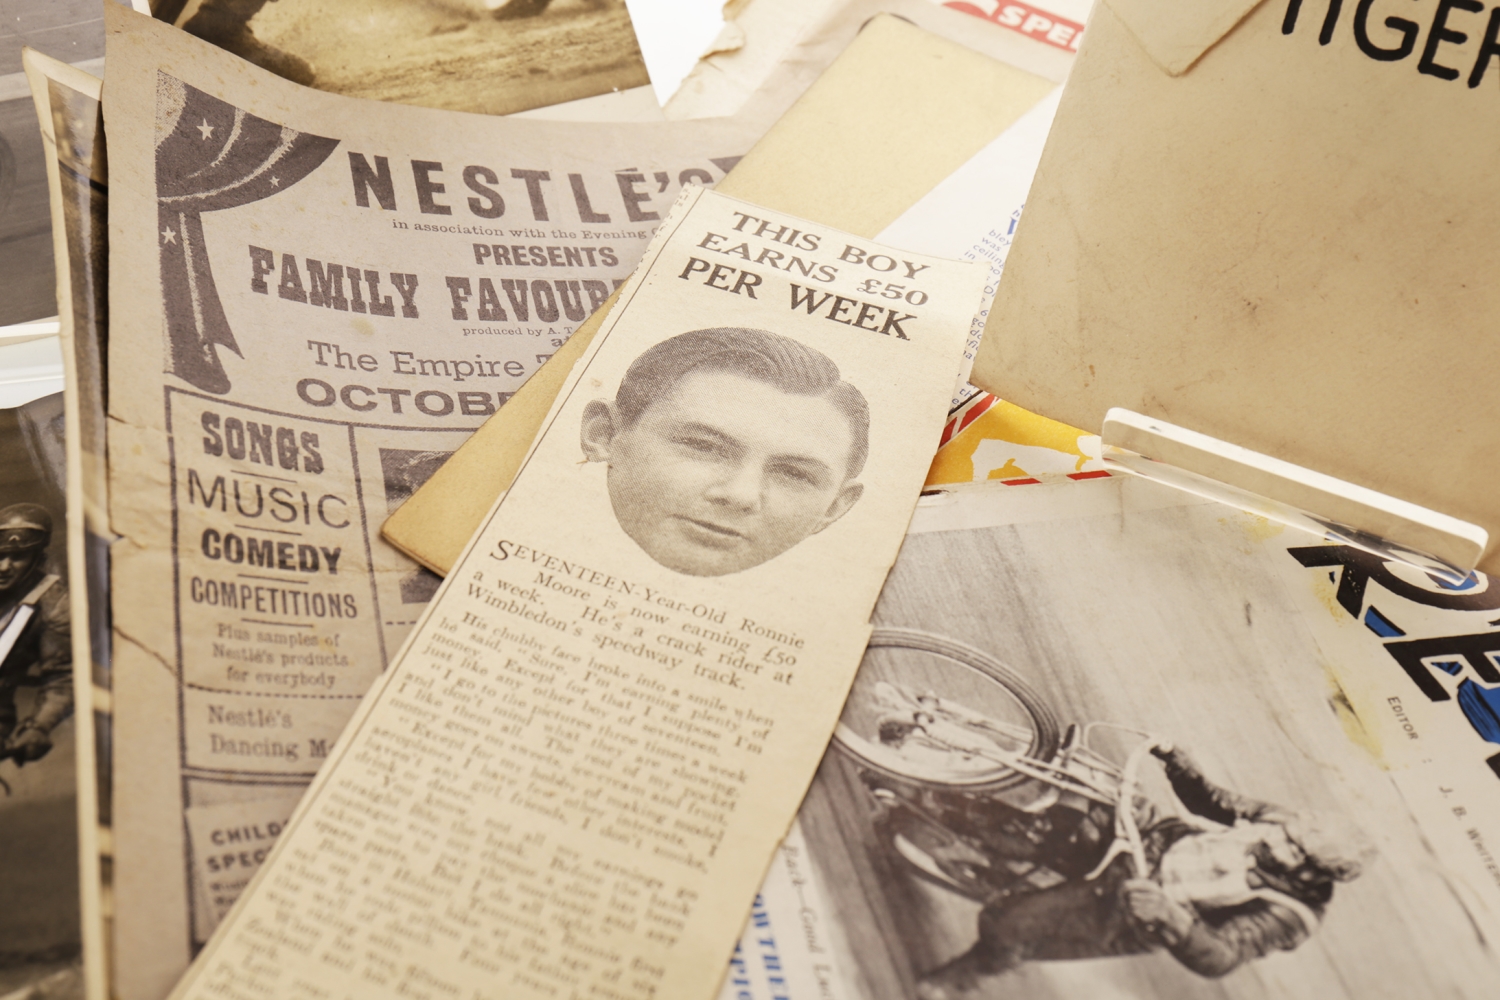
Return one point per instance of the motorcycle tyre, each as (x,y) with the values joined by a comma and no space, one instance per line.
(1045,731)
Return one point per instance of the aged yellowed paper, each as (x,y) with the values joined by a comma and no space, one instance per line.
(935,100)
(783,46)
(67,105)
(314,300)
(573,777)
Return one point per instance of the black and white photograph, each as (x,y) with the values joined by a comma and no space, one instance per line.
(40,934)
(728,446)
(489,56)
(404,471)
(1099,754)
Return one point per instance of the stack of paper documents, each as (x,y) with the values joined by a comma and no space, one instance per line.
(682,552)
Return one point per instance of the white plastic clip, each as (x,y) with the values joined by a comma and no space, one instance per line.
(1290,494)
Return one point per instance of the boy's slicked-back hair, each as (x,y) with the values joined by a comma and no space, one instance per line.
(778,361)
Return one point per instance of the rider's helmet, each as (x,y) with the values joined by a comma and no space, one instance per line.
(1334,846)
(24,527)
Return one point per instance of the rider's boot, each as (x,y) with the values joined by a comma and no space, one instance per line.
(960,978)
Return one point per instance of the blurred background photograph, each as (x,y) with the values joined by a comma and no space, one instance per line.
(40,932)
(489,56)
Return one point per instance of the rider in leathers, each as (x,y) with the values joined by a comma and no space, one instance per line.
(41,656)
(1258,882)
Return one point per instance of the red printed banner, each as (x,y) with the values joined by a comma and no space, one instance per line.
(1033,22)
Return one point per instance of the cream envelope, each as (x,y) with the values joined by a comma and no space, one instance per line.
(1275,224)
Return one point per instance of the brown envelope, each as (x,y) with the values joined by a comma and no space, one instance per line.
(1274,223)
(859,148)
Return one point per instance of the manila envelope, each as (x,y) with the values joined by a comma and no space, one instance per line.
(1274,223)
(896,113)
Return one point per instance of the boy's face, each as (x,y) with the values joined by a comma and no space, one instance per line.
(724,472)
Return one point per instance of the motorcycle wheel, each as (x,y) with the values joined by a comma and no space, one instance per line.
(1042,738)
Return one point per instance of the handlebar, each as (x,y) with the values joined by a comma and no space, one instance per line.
(1127,831)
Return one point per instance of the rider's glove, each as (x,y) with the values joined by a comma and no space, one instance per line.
(1163,916)
(30,743)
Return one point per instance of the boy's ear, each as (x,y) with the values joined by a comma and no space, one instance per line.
(597,434)
(847,497)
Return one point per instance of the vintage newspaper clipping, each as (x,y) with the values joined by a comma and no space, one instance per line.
(315,299)
(574,777)
(67,103)
(894,80)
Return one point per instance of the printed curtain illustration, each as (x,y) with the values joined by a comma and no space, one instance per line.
(211,155)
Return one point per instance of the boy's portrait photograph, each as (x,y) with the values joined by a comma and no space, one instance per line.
(728,446)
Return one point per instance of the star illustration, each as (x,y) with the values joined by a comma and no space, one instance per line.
(167,236)
(275,181)
(205,129)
